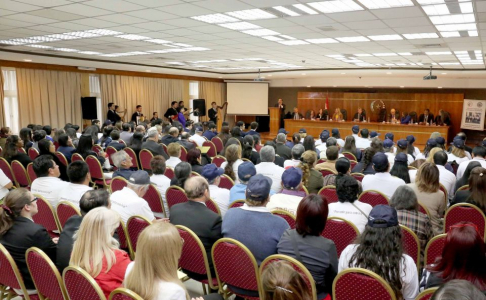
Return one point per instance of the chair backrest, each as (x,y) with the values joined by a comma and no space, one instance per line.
(183,156)
(66,210)
(290,218)
(9,272)
(434,248)
(373,198)
(349,155)
(341,232)
(118,183)
(465,212)
(226,182)
(321,160)
(326,172)
(22,150)
(212,152)
(357,283)
(175,195)
(5,166)
(154,199)
(80,285)
(353,163)
(304,189)
(61,158)
(213,206)
(446,195)
(165,149)
(463,188)
(124,294)
(20,174)
(96,171)
(76,157)
(194,174)
(237,203)
(46,277)
(123,238)
(145,158)
(424,210)
(169,172)
(135,226)
(358,176)
(46,215)
(110,150)
(218,143)
(31,173)
(427,294)
(329,191)
(411,245)
(33,153)
(132,154)
(97,149)
(235,265)
(218,160)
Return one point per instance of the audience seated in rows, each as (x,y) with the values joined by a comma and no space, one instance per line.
(46,147)
(343,167)
(382,181)
(66,146)
(282,150)
(162,182)
(311,178)
(219,195)
(126,134)
(268,168)
(365,166)
(246,170)
(446,178)
(289,198)
(197,137)
(332,154)
(174,151)
(350,147)
(115,141)
(184,141)
(280,281)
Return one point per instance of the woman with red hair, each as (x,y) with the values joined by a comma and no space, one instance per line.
(463,257)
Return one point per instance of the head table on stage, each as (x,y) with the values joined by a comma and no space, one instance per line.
(400,131)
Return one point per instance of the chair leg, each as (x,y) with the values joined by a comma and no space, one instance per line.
(204,289)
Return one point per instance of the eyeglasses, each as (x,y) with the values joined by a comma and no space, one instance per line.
(33,200)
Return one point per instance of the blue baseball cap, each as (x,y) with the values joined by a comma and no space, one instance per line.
(246,170)
(291,178)
(324,134)
(389,135)
(440,140)
(383,216)
(282,130)
(211,171)
(199,129)
(374,134)
(403,143)
(410,139)
(458,143)
(258,188)
(380,160)
(335,131)
(432,143)
(401,157)
(355,129)
(387,143)
(139,177)
(302,130)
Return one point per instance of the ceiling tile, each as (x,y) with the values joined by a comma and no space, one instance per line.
(154,26)
(6,12)
(402,12)
(155,3)
(45,3)
(17,6)
(31,19)
(223,6)
(152,14)
(210,29)
(55,15)
(404,22)
(114,5)
(312,20)
(84,10)
(186,10)
(183,22)
(121,19)
(375,24)
(269,3)
(353,16)
(95,23)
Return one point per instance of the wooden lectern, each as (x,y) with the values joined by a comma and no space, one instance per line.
(274,120)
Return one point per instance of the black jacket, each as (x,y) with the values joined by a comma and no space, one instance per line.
(186,144)
(135,115)
(155,148)
(284,151)
(21,236)
(167,139)
(213,115)
(113,116)
(430,118)
(23,158)
(66,241)
(117,145)
(170,112)
(361,117)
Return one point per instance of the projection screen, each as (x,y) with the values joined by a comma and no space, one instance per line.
(247,98)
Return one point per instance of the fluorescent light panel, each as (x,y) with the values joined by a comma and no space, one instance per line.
(133,37)
(251,14)
(457,27)
(415,36)
(352,39)
(453,19)
(305,9)
(272,38)
(157,41)
(239,26)
(335,6)
(377,4)
(65,50)
(293,42)
(286,11)
(82,34)
(439,53)
(39,46)
(261,32)
(385,54)
(215,18)
(322,41)
(387,37)
(448,34)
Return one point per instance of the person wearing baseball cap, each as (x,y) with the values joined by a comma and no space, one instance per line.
(289,198)
(335,134)
(431,144)
(128,201)
(388,146)
(374,134)
(253,224)
(355,130)
(402,147)
(246,170)
(363,142)
(219,195)
(440,142)
(414,151)
(382,180)
(457,153)
(197,137)
(382,241)
(321,142)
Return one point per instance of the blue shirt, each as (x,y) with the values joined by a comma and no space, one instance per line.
(125,173)
(237,192)
(209,134)
(67,152)
(406,120)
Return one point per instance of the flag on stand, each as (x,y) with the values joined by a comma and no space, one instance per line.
(327,101)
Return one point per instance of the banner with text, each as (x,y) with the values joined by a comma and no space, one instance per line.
(473,113)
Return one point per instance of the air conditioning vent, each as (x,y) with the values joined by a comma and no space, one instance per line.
(430,46)
(326,28)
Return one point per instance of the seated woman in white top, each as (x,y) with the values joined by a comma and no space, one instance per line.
(457,154)
(233,161)
(348,207)
(380,250)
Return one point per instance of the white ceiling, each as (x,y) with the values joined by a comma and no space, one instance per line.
(180,40)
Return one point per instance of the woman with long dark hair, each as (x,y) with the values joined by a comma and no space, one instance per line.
(310,144)
(233,161)
(464,180)
(194,159)
(26,135)
(106,139)
(47,147)
(4,134)
(365,166)
(343,167)
(431,144)
(248,151)
(400,167)
(236,133)
(181,173)
(85,146)
(380,249)
(350,146)
(11,151)
(224,135)
(476,194)
(411,149)
(71,132)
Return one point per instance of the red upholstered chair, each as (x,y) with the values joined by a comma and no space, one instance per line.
(462,188)
(46,217)
(434,248)
(235,266)
(349,155)
(373,198)
(446,195)
(218,160)
(122,142)
(5,166)
(175,195)
(154,200)
(411,245)
(46,277)
(135,226)
(123,239)
(358,176)
(213,206)
(341,232)
(226,182)
(321,160)
(290,218)
(117,184)
(237,203)
(218,143)
(427,294)
(329,191)
(76,157)
(61,158)
(96,172)
(22,150)
(183,156)
(10,276)
(132,154)
(30,173)
(109,152)
(424,210)
(194,258)
(194,174)
(169,172)
(145,158)
(357,284)
(97,149)
(20,174)
(353,163)
(33,153)
(124,294)
(80,285)
(66,210)
(326,172)
(212,152)
(165,149)
(465,212)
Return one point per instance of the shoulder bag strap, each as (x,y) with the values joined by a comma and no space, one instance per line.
(359,210)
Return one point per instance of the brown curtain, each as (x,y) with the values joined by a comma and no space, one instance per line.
(2,96)
(49,97)
(154,94)
(212,91)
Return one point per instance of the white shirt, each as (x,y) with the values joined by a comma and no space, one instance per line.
(73,193)
(236,164)
(340,142)
(291,163)
(362,143)
(221,197)
(284,202)
(127,203)
(448,180)
(198,139)
(322,148)
(391,159)
(163,183)
(412,174)
(4,180)
(272,171)
(350,213)
(408,271)
(452,157)
(172,162)
(462,166)
(318,142)
(382,182)
(49,188)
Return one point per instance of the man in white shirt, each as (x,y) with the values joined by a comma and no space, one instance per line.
(323,138)
(355,130)
(48,185)
(478,154)
(219,195)
(297,151)
(382,181)
(197,137)
(446,177)
(268,168)
(289,198)
(364,142)
(79,178)
(388,146)
(128,202)
(5,184)
(162,182)
(174,150)
(337,136)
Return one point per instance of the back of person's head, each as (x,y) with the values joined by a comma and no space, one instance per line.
(417,163)
(174,131)
(347,189)
(236,131)
(94,198)
(253,125)
(39,135)
(12,206)
(309,143)
(240,123)
(312,215)
(427,178)
(432,152)
(63,140)
(44,146)
(331,142)
(248,143)
(159,248)
(404,198)
(85,144)
(342,165)
(71,132)
(157,164)
(280,281)
(458,289)
(11,148)
(118,157)
(332,153)
(479,152)
(477,187)
(296,138)
(377,145)
(193,156)
(126,127)
(267,154)
(195,187)
(25,134)
(42,164)
(281,138)
(307,162)
(185,136)
(47,129)
(174,149)
(77,171)
(225,129)
(182,172)
(297,151)
(115,135)
(440,158)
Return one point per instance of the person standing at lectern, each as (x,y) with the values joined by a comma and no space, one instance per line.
(360,115)
(426,117)
(172,112)
(137,114)
(213,113)
(281,105)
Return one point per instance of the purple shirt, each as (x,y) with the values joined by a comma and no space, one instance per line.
(293,193)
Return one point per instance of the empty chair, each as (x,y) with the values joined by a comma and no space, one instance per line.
(96,172)
(218,143)
(411,245)
(61,158)
(80,285)
(434,248)
(183,156)
(212,148)
(154,200)
(31,173)
(64,211)
(46,216)
(76,157)
(169,172)
(33,153)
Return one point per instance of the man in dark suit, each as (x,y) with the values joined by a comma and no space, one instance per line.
(282,150)
(213,113)
(360,115)
(196,216)
(111,115)
(253,128)
(171,113)
(137,114)
(115,141)
(90,200)
(211,131)
(152,145)
(296,115)
(281,105)
(172,137)
(426,117)
(393,116)
(184,141)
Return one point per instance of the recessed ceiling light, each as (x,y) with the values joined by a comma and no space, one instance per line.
(272,38)
(293,42)
(453,19)
(16,42)
(457,27)
(439,53)
(44,38)
(436,9)
(286,11)
(89,53)
(215,18)
(104,32)
(239,26)
(322,41)
(157,41)
(414,36)
(335,55)
(376,4)
(65,50)
(62,36)
(363,55)
(28,60)
(288,37)
(335,6)
(386,37)
(269,75)
(449,63)
(133,37)
(448,34)
(148,71)
(405,53)
(82,34)
(427,2)
(305,9)
(251,14)
(38,46)
(439,87)
(473,33)
(352,39)
(261,32)
(385,54)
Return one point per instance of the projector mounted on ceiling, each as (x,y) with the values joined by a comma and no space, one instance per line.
(259,78)
(430,76)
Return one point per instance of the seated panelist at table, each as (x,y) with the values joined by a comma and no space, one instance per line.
(426,117)
(322,114)
(360,116)
(406,118)
(443,118)
(296,115)
(393,116)
(337,116)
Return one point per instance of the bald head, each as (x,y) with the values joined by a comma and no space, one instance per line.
(196,187)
